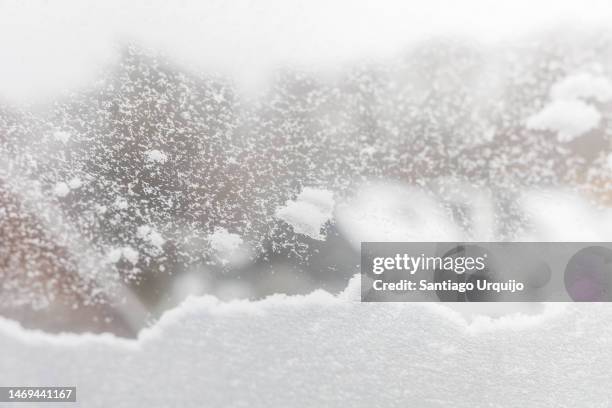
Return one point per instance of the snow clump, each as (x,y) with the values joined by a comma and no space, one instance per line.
(128,253)
(309,212)
(151,236)
(568,114)
(569,118)
(225,243)
(583,86)
(156,156)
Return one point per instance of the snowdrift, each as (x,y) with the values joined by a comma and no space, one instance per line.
(325,350)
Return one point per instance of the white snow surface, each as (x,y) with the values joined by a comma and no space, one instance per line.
(309,212)
(325,350)
(569,118)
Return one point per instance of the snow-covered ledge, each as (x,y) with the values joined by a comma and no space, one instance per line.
(326,350)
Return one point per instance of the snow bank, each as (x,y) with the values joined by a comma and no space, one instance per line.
(325,350)
(309,212)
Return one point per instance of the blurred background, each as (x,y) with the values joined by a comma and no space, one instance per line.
(178,150)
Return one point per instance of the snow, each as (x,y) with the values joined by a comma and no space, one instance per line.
(395,212)
(150,235)
(309,212)
(569,118)
(609,161)
(114,255)
(235,161)
(61,136)
(61,189)
(568,114)
(35,66)
(564,216)
(188,284)
(121,203)
(225,244)
(75,183)
(128,253)
(156,156)
(239,162)
(583,85)
(325,350)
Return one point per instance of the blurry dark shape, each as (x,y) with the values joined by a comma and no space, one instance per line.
(487,274)
(588,275)
(538,275)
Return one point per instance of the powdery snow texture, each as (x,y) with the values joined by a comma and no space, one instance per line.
(324,350)
(151,236)
(156,156)
(309,212)
(225,244)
